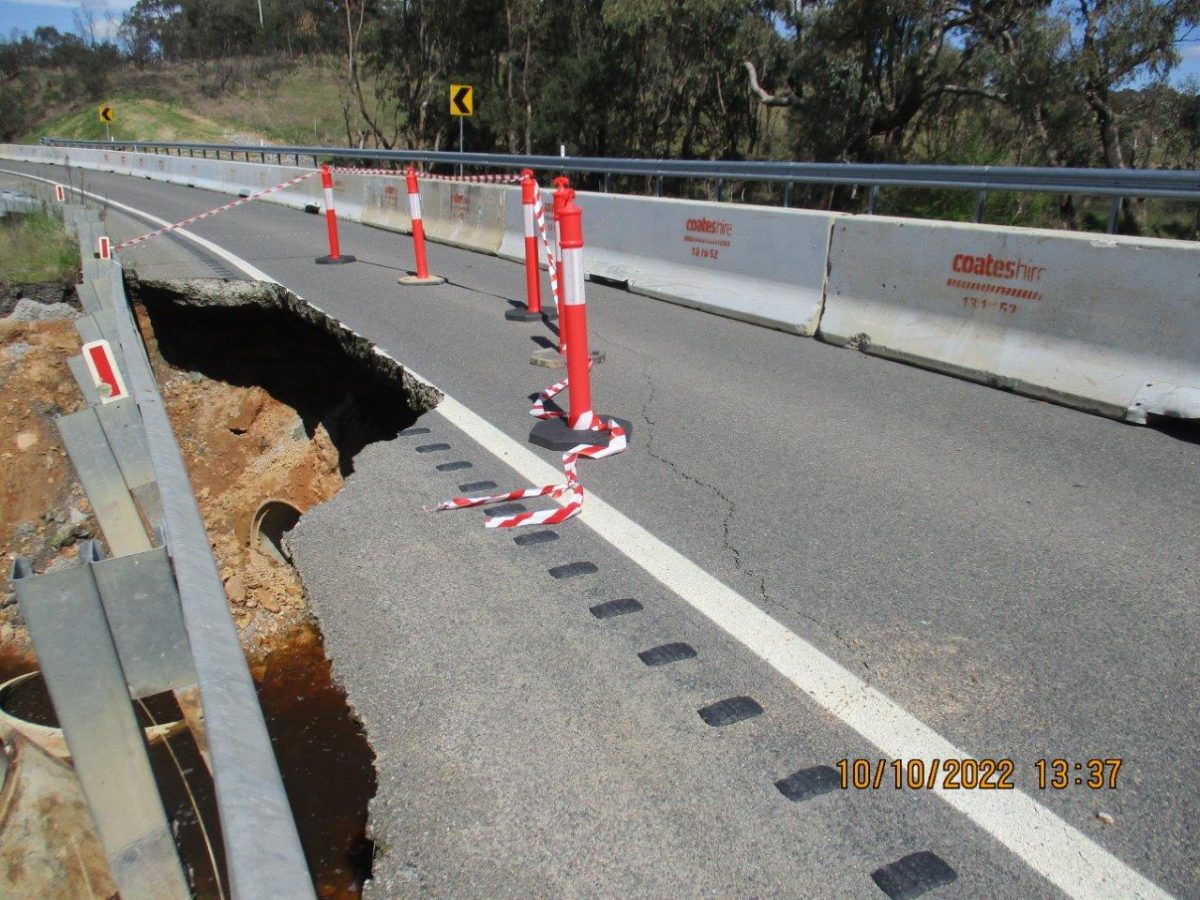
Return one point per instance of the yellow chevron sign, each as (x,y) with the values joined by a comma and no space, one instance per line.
(462,100)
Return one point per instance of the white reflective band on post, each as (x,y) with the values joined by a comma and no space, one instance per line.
(573,277)
(529,232)
(414,205)
(328,198)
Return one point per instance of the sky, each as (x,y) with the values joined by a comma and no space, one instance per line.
(26,16)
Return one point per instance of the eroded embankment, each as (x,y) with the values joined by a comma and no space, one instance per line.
(270,400)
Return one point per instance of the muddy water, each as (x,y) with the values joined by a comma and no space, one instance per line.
(326,763)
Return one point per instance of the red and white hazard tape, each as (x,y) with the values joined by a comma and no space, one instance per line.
(539,216)
(483,179)
(399,173)
(573,489)
(351,170)
(213,212)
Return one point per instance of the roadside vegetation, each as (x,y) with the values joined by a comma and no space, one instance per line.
(966,82)
(34,248)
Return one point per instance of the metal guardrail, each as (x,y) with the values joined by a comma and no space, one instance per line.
(262,848)
(152,618)
(1115,183)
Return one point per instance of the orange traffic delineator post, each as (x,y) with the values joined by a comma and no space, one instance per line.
(562,194)
(577,427)
(335,255)
(422,275)
(533,276)
(551,357)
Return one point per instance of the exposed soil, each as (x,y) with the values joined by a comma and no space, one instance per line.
(268,404)
(43,508)
(265,407)
(270,401)
(242,447)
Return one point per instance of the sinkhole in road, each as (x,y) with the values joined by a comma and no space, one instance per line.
(271,400)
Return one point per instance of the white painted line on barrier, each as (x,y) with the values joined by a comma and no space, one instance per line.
(1060,853)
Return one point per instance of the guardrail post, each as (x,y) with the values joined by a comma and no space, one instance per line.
(658,186)
(1114,215)
(980,200)
(787,194)
(872,199)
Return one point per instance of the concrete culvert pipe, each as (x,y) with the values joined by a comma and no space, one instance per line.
(272,520)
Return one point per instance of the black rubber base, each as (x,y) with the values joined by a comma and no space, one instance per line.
(553,434)
(522,314)
(330,261)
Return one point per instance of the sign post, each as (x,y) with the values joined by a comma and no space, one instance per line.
(462,104)
(107,115)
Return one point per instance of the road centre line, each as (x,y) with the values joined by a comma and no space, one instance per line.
(1057,851)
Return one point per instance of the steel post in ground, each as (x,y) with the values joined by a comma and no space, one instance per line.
(533,277)
(335,256)
(422,275)
(564,433)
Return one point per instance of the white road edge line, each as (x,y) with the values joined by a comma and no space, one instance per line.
(1060,853)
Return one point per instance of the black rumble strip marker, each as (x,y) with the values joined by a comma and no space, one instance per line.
(667,653)
(809,783)
(913,875)
(472,486)
(614,608)
(409,432)
(454,466)
(535,537)
(572,570)
(730,711)
(432,448)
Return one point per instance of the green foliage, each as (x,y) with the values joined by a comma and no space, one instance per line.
(986,82)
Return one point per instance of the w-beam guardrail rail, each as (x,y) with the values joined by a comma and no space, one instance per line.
(1115,183)
(153,618)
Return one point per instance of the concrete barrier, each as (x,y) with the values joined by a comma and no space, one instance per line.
(1110,325)
(1106,324)
(386,199)
(465,215)
(757,264)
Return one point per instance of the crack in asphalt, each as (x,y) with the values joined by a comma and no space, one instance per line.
(740,566)
(727,541)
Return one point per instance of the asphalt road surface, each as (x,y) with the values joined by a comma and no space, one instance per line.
(1019,577)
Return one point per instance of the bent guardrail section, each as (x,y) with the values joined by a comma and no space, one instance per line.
(153,618)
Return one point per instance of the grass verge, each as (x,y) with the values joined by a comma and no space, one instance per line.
(35,248)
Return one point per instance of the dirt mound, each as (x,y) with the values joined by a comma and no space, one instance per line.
(43,508)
